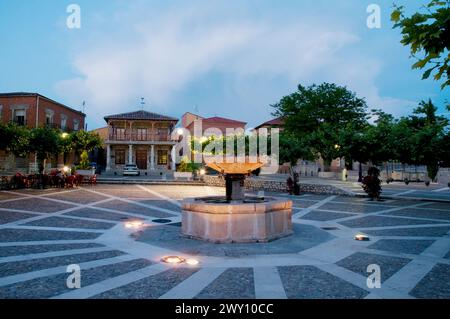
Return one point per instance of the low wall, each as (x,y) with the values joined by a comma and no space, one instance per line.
(279,186)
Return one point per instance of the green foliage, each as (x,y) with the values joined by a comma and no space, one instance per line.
(84,160)
(85,141)
(428,34)
(316,117)
(14,138)
(44,142)
(187,166)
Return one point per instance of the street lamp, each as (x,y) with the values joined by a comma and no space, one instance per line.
(65,135)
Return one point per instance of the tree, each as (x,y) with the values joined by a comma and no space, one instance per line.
(44,142)
(85,141)
(316,115)
(14,139)
(428,35)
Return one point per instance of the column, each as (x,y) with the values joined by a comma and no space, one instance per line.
(108,157)
(152,157)
(130,154)
(173,158)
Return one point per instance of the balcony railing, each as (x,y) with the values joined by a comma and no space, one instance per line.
(134,135)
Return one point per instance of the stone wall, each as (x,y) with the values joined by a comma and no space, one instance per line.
(278,186)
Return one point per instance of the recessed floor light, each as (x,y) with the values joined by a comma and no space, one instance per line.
(362,237)
(161,221)
(172,259)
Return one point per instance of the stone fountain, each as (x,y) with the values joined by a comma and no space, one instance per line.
(236,218)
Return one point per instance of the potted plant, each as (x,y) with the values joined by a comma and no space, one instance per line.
(184,169)
(84,169)
(406,181)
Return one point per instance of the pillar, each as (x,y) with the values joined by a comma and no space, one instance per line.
(108,157)
(130,154)
(173,158)
(152,157)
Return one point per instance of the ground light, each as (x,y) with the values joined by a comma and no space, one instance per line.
(192,262)
(202,171)
(134,224)
(362,237)
(172,259)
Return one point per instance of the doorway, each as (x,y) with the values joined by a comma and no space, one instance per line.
(141,159)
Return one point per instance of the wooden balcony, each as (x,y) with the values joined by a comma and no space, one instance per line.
(138,136)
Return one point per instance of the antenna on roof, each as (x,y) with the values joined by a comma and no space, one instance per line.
(142,103)
(196,108)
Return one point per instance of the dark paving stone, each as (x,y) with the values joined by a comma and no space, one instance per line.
(151,287)
(422,213)
(407,246)
(4,196)
(308,282)
(8,217)
(435,285)
(447,256)
(36,249)
(46,287)
(358,263)
(352,208)
(124,191)
(99,214)
(169,237)
(411,232)
(233,283)
(161,203)
(444,206)
(18,267)
(132,208)
(36,205)
(303,204)
(13,235)
(79,196)
(324,216)
(380,221)
(56,221)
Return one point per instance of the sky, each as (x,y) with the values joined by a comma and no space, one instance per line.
(230,58)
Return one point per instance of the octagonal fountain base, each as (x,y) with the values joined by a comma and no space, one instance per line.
(249,221)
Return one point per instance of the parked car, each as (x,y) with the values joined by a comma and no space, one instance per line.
(131,169)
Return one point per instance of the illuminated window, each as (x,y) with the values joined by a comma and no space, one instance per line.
(162,157)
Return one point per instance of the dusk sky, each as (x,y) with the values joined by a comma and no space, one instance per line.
(225,58)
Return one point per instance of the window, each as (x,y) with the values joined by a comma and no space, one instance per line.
(49,116)
(141,134)
(120,157)
(63,122)
(19,117)
(162,157)
(120,133)
(76,125)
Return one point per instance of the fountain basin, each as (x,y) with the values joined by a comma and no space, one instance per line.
(247,221)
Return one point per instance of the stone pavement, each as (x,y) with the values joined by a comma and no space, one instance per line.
(43,231)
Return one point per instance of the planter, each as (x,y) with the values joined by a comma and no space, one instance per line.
(86,172)
(184,175)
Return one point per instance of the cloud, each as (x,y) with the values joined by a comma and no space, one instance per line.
(158,59)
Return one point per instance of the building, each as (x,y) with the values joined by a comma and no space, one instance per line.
(274,123)
(35,110)
(142,138)
(221,124)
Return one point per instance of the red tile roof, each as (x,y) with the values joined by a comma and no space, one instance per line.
(222,120)
(274,122)
(140,115)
